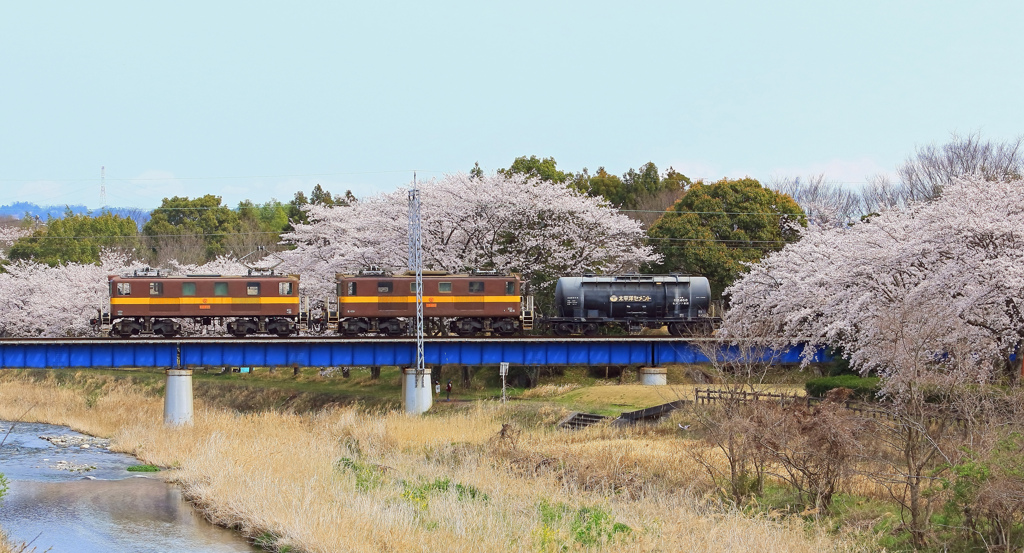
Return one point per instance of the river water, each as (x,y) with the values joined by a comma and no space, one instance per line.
(66,498)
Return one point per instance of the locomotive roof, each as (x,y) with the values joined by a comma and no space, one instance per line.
(169,276)
(426,274)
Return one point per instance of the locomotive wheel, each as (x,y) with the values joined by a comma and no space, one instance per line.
(390,327)
(166,328)
(675,329)
(241,328)
(505,327)
(353,327)
(590,329)
(126,329)
(467,327)
(280,327)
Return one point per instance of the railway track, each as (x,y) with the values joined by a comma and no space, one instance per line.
(345,339)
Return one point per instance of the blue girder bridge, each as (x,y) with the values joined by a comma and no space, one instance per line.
(644,351)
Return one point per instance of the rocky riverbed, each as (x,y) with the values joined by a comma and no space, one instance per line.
(70,493)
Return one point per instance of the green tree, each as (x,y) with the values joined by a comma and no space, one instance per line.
(180,220)
(319,196)
(271,216)
(637,189)
(640,183)
(716,228)
(476,172)
(544,169)
(76,239)
(260,226)
(603,184)
(675,181)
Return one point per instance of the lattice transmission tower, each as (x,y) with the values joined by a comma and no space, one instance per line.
(416,264)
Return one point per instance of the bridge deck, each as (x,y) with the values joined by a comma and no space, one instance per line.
(339,352)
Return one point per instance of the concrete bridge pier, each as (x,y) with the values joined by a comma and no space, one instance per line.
(178,397)
(653,376)
(417,397)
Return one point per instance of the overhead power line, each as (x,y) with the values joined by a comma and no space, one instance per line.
(230,177)
(260,233)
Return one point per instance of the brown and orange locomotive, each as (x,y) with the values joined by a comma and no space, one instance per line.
(463,305)
(153,303)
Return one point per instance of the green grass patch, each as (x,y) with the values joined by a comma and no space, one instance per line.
(588,527)
(367,477)
(863,388)
(143,468)
(419,494)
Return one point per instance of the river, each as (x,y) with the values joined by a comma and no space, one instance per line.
(70,494)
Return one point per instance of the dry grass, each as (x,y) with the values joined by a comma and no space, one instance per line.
(548,390)
(349,480)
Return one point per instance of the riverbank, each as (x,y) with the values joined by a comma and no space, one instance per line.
(467,477)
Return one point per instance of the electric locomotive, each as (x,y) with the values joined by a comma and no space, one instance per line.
(375,302)
(148,302)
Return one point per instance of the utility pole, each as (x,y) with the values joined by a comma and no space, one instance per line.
(103,186)
(416,264)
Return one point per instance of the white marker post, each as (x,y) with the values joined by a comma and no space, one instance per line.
(503,371)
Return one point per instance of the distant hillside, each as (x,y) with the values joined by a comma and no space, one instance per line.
(22,209)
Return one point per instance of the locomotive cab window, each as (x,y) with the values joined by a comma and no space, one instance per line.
(385,287)
(444,287)
(351,289)
(156,288)
(412,287)
(252,289)
(220,288)
(124,288)
(510,288)
(284,288)
(188,288)
(476,287)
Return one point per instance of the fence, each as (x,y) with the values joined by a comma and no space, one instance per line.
(702,396)
(709,395)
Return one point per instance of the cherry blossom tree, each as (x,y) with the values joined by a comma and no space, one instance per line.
(934,290)
(44,301)
(10,234)
(39,300)
(504,222)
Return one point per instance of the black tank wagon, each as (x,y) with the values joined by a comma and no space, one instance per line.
(634,302)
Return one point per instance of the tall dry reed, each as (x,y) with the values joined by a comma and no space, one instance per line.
(350,480)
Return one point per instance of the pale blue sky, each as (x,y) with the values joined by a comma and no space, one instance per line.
(260,99)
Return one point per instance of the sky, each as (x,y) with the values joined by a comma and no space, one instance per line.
(257,100)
